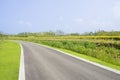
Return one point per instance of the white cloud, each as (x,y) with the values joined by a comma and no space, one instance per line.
(101,24)
(20,22)
(24,23)
(60,18)
(79,20)
(28,24)
(116,10)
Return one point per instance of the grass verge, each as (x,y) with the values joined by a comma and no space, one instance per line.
(91,59)
(88,58)
(9,60)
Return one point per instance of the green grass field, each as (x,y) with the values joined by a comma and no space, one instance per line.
(9,60)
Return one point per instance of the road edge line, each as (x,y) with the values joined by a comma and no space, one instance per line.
(85,60)
(22,65)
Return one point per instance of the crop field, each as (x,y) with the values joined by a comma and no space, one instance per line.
(65,37)
(9,60)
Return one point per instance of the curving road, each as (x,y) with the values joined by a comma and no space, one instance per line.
(42,63)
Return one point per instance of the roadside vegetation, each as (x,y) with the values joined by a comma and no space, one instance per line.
(108,54)
(9,60)
(90,58)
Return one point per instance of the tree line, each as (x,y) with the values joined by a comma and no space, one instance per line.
(62,33)
(1,35)
(102,33)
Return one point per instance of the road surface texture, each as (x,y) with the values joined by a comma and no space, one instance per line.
(42,63)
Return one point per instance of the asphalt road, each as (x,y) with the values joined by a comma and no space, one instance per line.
(42,63)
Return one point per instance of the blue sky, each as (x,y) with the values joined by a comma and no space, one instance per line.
(66,15)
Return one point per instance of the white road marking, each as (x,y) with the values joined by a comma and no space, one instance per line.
(22,65)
